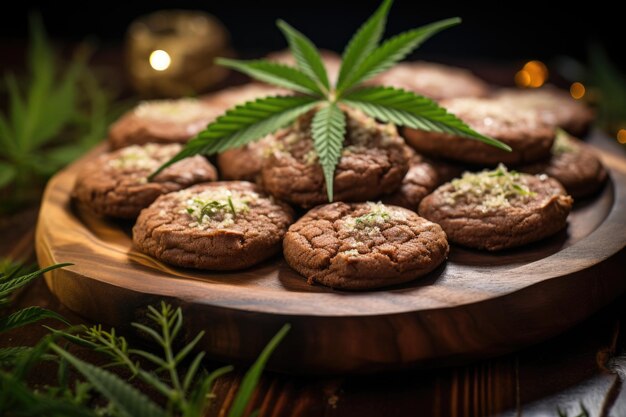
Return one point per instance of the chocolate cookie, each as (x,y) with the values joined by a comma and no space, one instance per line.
(372,164)
(435,81)
(363,246)
(555,106)
(574,164)
(116,183)
(498,209)
(223,100)
(219,226)
(423,177)
(245,163)
(161,121)
(524,130)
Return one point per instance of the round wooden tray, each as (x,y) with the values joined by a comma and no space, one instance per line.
(476,305)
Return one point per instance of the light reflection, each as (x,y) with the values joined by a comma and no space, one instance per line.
(532,75)
(577,90)
(160,60)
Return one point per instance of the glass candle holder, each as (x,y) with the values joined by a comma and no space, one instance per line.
(170,53)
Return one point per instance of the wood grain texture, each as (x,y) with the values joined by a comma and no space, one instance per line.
(477,305)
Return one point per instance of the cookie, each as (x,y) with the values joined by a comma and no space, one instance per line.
(524,130)
(435,81)
(227,98)
(363,246)
(423,177)
(217,226)
(574,164)
(161,121)
(331,61)
(372,164)
(245,163)
(498,209)
(116,183)
(555,106)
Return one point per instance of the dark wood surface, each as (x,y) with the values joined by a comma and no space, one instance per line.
(477,305)
(585,364)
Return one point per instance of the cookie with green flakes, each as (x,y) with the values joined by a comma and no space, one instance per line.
(116,183)
(363,246)
(498,209)
(217,226)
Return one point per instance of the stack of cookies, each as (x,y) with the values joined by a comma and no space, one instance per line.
(400,197)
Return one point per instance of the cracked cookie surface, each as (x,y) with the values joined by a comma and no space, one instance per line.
(373,163)
(498,209)
(423,177)
(218,226)
(116,183)
(435,81)
(524,130)
(162,121)
(362,246)
(574,164)
(555,106)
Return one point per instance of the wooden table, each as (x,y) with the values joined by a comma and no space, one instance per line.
(584,365)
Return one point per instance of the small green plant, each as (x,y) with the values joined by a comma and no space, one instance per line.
(185,386)
(53,116)
(610,85)
(363,58)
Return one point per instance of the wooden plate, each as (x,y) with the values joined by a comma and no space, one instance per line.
(476,305)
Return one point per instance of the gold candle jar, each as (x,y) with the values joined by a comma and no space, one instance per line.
(170,53)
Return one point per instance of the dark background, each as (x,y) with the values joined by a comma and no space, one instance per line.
(502,31)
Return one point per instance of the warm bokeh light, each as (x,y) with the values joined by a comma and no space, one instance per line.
(577,90)
(533,75)
(522,78)
(160,60)
(621,136)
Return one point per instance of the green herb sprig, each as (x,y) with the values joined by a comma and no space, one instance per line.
(173,373)
(363,58)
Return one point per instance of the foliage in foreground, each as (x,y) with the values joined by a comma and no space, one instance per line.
(180,381)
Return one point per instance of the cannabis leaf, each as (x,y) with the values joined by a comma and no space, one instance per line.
(329,128)
(363,58)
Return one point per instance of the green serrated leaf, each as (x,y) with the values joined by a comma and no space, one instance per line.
(27,316)
(9,354)
(363,42)
(405,108)
(394,50)
(128,400)
(274,73)
(251,379)
(306,54)
(17,110)
(7,174)
(243,124)
(17,399)
(328,129)
(8,287)
(58,107)
(25,362)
